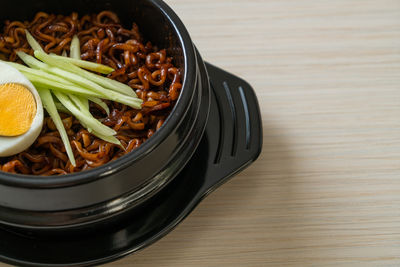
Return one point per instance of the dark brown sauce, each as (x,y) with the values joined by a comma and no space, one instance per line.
(148,70)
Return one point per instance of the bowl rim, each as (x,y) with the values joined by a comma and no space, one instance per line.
(173,119)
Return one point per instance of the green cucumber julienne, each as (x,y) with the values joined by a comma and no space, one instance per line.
(64,84)
(75,49)
(49,105)
(87,120)
(103,81)
(88,65)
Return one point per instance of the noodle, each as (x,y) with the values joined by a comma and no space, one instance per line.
(148,70)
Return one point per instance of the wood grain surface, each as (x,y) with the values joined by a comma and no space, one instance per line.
(326,188)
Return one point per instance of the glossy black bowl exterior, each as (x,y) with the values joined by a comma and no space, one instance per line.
(232,140)
(75,199)
(97,216)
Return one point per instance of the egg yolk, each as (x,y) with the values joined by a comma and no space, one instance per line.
(17,109)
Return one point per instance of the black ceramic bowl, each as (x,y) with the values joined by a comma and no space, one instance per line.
(73,199)
(102,214)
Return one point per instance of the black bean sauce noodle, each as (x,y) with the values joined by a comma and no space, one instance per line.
(146,69)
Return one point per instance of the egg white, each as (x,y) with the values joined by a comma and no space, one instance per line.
(11,145)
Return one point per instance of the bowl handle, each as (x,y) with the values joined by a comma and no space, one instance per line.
(235,112)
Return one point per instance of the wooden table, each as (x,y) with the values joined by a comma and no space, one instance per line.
(326,188)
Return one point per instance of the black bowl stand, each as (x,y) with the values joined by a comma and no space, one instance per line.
(232,140)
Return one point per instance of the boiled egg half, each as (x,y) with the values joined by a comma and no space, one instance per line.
(21,112)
